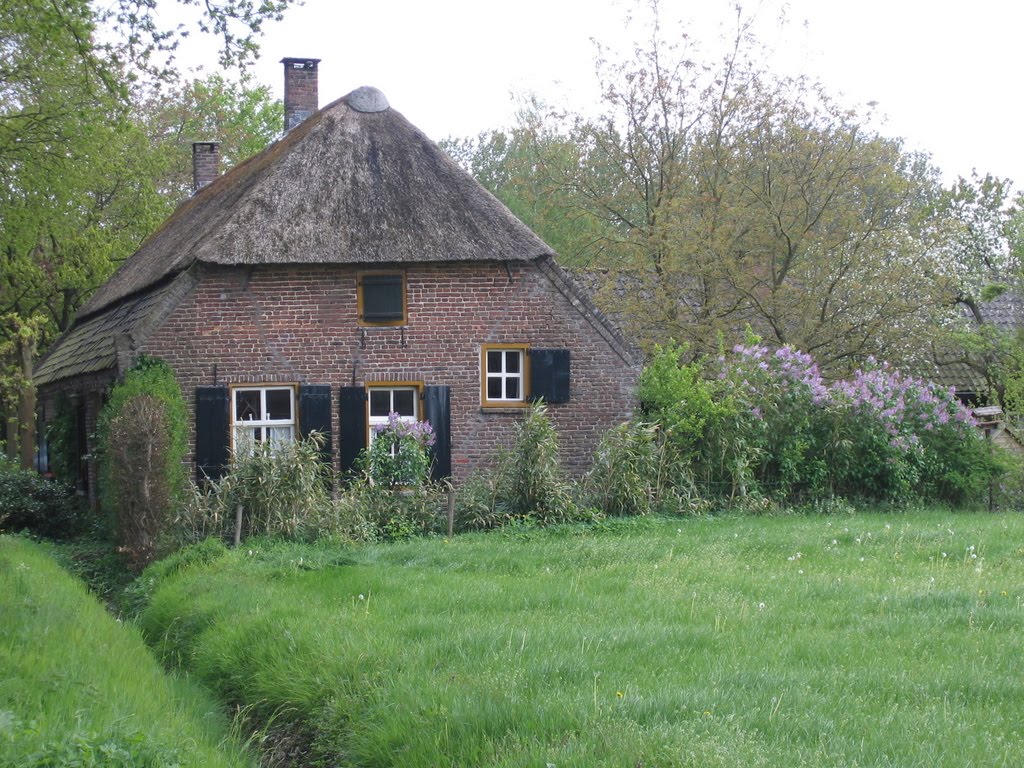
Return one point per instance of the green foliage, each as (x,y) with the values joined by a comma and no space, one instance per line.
(529,479)
(398,456)
(390,513)
(110,749)
(628,476)
(143,439)
(678,398)
(94,558)
(715,641)
(32,503)
(771,432)
(81,689)
(71,216)
(285,491)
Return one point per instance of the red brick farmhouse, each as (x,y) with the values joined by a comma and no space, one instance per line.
(349,271)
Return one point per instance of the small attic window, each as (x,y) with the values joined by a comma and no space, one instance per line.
(382,298)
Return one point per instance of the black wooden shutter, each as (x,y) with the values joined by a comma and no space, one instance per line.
(549,375)
(383,298)
(315,415)
(352,412)
(437,408)
(212,438)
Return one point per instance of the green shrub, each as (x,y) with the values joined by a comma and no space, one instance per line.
(677,398)
(476,504)
(529,478)
(391,513)
(398,455)
(765,430)
(30,502)
(143,439)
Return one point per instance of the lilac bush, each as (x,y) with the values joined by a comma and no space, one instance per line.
(774,429)
(768,441)
(903,436)
(399,453)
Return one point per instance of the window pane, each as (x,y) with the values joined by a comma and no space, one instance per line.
(279,436)
(494,362)
(279,404)
(511,389)
(493,388)
(245,438)
(247,405)
(512,360)
(380,402)
(405,402)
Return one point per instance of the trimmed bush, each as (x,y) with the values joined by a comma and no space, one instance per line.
(143,438)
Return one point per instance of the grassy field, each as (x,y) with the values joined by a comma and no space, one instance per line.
(873,640)
(78,689)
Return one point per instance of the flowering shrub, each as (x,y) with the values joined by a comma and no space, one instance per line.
(398,456)
(770,437)
(905,437)
(771,429)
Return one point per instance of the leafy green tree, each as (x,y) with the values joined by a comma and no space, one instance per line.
(242,118)
(981,266)
(86,169)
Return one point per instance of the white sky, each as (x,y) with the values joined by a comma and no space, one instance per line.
(945,74)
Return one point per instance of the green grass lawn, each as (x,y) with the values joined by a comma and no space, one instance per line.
(78,689)
(868,640)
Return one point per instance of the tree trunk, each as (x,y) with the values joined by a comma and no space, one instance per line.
(27,407)
(12,437)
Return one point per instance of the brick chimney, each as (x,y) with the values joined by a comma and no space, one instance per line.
(205,163)
(301,98)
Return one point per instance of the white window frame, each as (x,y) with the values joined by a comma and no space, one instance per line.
(405,386)
(487,375)
(275,431)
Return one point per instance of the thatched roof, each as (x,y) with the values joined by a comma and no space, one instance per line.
(963,368)
(354,183)
(93,344)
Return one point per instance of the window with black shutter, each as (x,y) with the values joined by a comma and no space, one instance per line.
(437,410)
(213,420)
(382,298)
(549,375)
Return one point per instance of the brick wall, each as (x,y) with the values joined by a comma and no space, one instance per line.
(299,325)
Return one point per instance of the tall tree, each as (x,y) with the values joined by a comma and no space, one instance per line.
(982,260)
(723,196)
(86,171)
